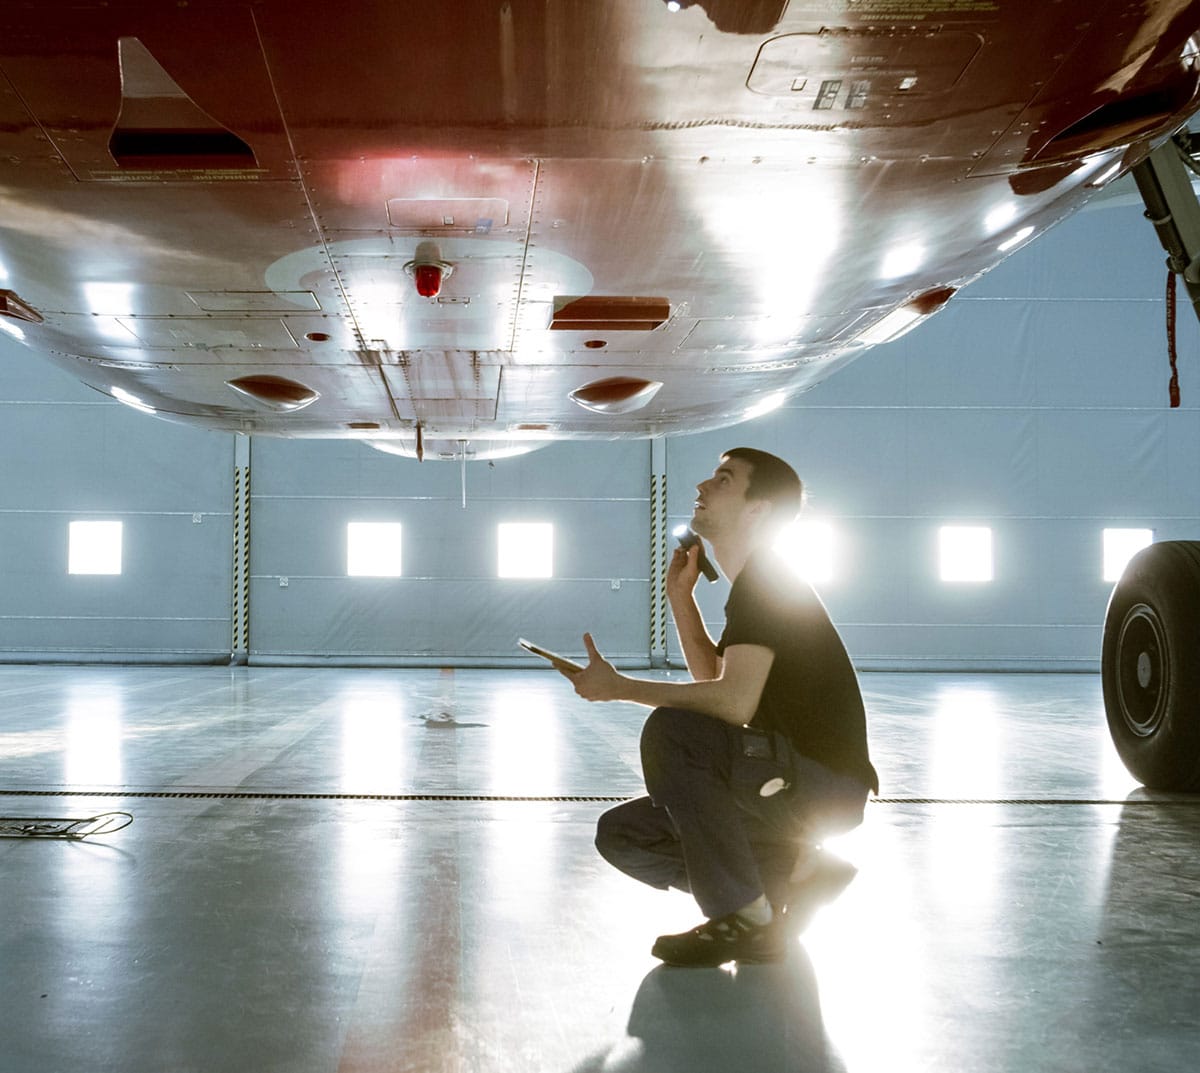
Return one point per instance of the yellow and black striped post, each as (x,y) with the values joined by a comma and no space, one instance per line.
(240,643)
(659,531)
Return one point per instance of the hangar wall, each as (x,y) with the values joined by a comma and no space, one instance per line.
(1036,404)
(449,600)
(69,453)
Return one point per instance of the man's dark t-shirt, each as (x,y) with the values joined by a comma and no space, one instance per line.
(811,695)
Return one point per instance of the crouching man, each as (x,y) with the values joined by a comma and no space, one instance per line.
(762,755)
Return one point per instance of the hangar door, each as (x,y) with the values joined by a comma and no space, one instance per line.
(431,585)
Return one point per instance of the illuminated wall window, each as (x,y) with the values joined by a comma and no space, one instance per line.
(1121,545)
(94,548)
(965,553)
(808,547)
(526,549)
(373,549)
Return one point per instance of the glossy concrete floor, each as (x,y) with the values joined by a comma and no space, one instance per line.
(367,870)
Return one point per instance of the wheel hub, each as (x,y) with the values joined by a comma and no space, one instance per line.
(1143,668)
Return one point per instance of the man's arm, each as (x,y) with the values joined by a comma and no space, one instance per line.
(699,652)
(733,696)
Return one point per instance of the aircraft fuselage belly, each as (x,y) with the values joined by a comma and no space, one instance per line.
(472,221)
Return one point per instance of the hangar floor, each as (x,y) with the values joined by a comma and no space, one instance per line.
(366,870)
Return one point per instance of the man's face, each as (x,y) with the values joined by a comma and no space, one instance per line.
(721,505)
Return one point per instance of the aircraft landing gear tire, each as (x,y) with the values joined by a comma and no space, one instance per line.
(1150,666)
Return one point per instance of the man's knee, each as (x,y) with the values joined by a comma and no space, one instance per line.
(639,840)
(627,826)
(611,835)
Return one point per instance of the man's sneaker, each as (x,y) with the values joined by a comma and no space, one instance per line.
(725,939)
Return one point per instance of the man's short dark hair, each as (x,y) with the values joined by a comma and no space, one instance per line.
(772,479)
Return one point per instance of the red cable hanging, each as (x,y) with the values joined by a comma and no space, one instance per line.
(1174,387)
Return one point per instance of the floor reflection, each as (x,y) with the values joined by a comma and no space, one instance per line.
(758,1018)
(373,756)
(1144,955)
(95,724)
(967,741)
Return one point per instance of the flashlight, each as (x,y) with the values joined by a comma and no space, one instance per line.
(686,539)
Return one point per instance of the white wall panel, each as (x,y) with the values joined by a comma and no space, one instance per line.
(449,604)
(71,454)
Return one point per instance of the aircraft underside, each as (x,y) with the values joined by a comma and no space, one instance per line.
(472,230)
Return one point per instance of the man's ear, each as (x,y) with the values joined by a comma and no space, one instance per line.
(760,511)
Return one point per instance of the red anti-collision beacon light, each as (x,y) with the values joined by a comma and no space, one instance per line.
(429,280)
(429,276)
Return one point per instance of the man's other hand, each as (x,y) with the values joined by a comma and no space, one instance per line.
(598,680)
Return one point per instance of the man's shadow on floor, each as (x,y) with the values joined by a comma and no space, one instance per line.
(759,1018)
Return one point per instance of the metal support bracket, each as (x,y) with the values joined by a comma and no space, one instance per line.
(1164,180)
